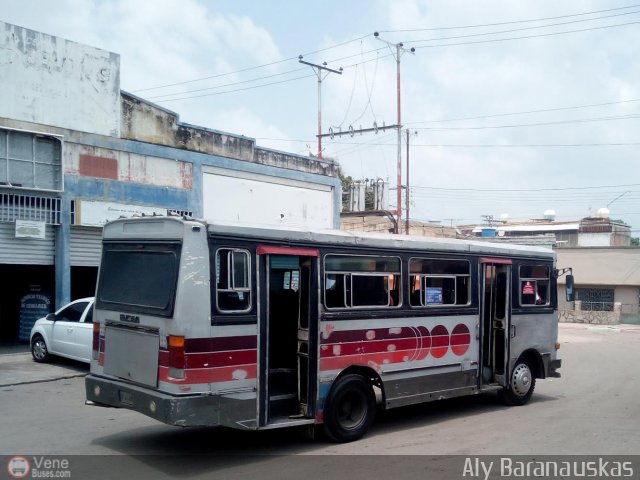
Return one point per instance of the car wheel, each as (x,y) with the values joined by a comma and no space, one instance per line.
(349,409)
(521,386)
(39,350)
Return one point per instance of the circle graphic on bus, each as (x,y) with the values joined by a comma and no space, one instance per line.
(424,342)
(460,339)
(439,341)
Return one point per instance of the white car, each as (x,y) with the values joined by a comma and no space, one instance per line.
(66,333)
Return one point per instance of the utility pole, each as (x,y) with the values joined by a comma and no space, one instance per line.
(318,70)
(399,51)
(407,192)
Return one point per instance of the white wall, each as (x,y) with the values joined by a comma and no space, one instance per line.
(594,239)
(235,197)
(52,81)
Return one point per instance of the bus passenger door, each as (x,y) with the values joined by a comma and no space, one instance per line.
(289,340)
(495,317)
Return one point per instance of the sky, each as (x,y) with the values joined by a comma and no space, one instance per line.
(513,107)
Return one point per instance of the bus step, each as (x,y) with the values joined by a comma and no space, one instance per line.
(283,380)
(493,387)
(283,405)
(283,396)
(275,422)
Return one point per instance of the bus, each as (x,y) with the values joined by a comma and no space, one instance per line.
(203,324)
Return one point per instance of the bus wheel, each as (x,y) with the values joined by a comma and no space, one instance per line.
(521,385)
(349,409)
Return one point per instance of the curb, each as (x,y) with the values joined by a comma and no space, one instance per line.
(29,382)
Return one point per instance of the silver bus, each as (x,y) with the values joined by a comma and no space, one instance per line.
(198,323)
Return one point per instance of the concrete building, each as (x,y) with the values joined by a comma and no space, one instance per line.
(598,231)
(607,284)
(384,221)
(76,151)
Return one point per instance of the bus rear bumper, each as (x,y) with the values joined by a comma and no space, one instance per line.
(554,366)
(192,410)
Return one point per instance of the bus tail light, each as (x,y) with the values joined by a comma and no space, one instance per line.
(177,358)
(96,341)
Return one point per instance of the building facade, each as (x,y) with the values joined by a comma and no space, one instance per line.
(607,284)
(76,151)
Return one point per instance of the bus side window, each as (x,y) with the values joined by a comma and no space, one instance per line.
(233,280)
(534,285)
(361,281)
(439,282)
(334,291)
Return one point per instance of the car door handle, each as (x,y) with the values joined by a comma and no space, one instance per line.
(69,330)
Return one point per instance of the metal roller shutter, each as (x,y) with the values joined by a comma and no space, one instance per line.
(26,251)
(85,246)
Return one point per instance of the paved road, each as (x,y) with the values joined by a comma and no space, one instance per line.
(592,409)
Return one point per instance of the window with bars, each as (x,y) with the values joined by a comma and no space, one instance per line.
(30,160)
(29,207)
(596,299)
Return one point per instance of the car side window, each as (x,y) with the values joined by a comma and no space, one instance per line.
(73,313)
(89,317)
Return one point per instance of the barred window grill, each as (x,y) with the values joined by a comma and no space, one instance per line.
(596,299)
(29,207)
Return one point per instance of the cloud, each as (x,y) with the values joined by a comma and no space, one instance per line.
(171,41)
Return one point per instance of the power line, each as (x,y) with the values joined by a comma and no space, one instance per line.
(527,36)
(247,69)
(424,46)
(522,145)
(526,112)
(242,70)
(226,84)
(510,22)
(454,145)
(539,124)
(265,84)
(533,189)
(236,90)
(521,29)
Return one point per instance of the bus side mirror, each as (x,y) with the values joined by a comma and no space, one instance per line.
(570,292)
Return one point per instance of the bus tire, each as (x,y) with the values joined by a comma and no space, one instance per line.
(349,409)
(521,385)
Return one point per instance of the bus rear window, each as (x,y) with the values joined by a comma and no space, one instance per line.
(139,278)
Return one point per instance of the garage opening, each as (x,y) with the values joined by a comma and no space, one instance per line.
(26,292)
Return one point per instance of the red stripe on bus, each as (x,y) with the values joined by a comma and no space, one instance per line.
(221,359)
(341,336)
(353,348)
(220,344)
(213,359)
(499,261)
(278,250)
(210,375)
(370,359)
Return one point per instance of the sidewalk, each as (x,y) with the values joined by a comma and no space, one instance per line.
(19,368)
(619,327)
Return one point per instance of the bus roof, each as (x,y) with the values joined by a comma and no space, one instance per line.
(169,227)
(376,240)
